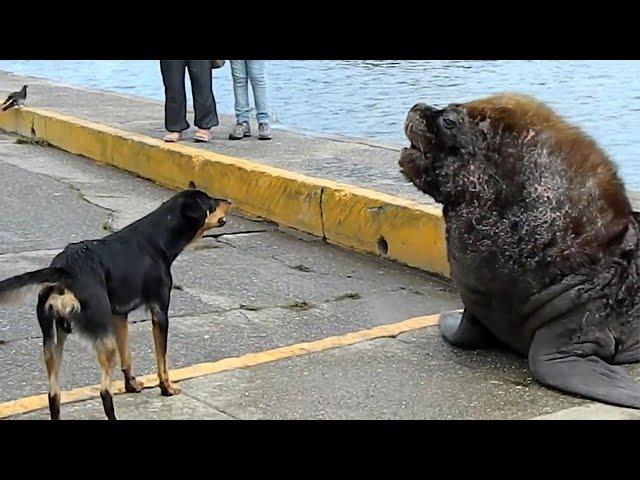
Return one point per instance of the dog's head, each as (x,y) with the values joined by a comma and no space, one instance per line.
(202,210)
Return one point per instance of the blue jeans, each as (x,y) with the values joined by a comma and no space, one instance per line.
(243,72)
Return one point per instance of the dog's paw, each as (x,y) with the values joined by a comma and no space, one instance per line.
(169,390)
(131,385)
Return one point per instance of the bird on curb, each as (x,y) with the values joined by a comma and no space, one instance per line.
(15,99)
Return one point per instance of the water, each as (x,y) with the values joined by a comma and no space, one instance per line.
(369,99)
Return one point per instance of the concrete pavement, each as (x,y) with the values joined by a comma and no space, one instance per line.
(248,293)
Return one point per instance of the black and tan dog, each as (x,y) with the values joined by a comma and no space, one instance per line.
(93,285)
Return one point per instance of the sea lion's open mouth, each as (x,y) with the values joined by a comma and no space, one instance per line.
(416,160)
(420,141)
(412,163)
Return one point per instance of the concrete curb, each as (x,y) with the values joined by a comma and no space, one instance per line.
(351,217)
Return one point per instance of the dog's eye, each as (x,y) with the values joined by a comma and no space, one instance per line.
(448,123)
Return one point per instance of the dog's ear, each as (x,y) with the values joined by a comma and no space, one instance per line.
(194,209)
(192,185)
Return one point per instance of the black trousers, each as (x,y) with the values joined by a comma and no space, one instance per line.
(204,102)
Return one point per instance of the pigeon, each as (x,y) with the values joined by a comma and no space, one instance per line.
(15,99)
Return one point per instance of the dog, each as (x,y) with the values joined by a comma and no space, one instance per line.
(91,287)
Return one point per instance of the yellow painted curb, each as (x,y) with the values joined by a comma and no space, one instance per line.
(37,402)
(357,218)
(395,228)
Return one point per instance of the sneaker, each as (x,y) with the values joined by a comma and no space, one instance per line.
(241,130)
(264,132)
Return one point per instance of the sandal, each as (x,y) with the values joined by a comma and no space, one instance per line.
(172,137)
(202,135)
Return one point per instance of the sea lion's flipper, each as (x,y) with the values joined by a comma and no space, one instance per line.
(557,364)
(630,354)
(465,331)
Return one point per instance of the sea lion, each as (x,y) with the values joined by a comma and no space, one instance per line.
(542,241)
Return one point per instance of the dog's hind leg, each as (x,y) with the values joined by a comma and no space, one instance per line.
(53,359)
(160,320)
(106,351)
(131,385)
(53,345)
(97,324)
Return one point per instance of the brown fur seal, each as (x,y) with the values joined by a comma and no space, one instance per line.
(542,241)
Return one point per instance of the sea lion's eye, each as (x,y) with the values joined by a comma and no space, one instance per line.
(448,123)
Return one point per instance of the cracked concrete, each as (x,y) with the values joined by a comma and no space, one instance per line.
(52,198)
(89,201)
(255,287)
(324,235)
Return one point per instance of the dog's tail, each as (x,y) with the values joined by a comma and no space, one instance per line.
(16,289)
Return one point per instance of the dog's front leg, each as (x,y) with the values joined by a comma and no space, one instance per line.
(160,320)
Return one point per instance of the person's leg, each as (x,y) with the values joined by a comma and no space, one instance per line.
(204,102)
(241,94)
(257,72)
(175,106)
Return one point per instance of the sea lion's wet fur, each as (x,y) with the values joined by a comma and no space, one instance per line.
(538,223)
